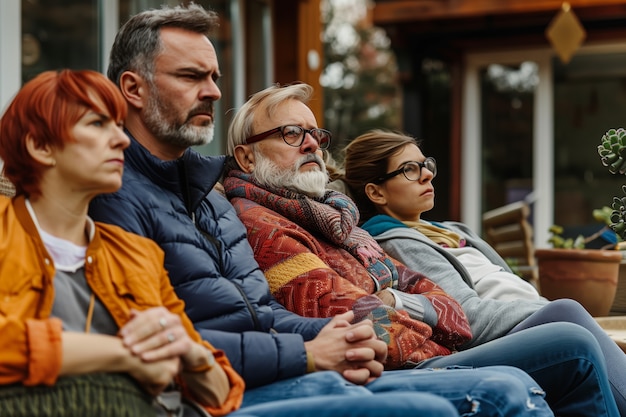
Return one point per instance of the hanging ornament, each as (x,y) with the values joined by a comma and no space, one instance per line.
(565,33)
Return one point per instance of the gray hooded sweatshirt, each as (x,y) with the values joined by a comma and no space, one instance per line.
(488,318)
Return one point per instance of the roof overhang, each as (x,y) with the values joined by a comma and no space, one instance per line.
(405,11)
(469,22)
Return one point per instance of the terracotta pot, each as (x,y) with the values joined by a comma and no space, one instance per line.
(588,276)
(619,304)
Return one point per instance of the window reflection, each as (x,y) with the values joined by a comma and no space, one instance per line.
(507,126)
(59,34)
(524,78)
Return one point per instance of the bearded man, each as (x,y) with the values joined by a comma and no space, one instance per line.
(317,261)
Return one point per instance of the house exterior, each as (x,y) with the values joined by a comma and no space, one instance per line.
(260,42)
(506,117)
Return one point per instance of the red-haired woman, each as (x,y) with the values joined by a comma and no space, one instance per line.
(85,304)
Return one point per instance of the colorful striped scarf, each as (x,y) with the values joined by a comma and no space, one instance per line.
(334,216)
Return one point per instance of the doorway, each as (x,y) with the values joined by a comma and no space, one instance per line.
(507,139)
(531,129)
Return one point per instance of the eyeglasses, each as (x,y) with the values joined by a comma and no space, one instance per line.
(411,170)
(294,135)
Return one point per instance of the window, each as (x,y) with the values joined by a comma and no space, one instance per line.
(589,99)
(59,34)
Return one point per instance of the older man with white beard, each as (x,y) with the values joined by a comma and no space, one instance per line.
(317,261)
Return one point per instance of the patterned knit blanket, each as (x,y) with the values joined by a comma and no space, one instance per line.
(319,263)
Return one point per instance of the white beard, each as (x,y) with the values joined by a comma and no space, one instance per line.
(310,183)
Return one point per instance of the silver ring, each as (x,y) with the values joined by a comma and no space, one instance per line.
(163,322)
(171,337)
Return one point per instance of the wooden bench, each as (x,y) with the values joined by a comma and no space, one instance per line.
(615,327)
(508,231)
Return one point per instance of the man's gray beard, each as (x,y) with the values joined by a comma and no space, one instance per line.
(186,135)
(309,183)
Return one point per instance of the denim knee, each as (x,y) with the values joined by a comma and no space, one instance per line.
(491,391)
(309,385)
(392,404)
(506,391)
(563,308)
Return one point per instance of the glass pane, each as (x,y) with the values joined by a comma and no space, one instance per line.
(507,132)
(59,34)
(589,99)
(223,46)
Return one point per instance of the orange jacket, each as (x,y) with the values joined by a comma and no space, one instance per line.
(125,271)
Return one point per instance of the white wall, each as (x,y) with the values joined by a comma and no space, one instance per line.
(10,50)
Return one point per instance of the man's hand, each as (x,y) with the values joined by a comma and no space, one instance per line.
(350,349)
(370,358)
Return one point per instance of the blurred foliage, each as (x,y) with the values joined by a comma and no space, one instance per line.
(360,75)
(601,215)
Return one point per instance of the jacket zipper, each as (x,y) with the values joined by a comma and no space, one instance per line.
(216,243)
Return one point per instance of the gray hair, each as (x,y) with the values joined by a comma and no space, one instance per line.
(138,41)
(241,127)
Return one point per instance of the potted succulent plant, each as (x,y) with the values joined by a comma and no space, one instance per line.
(589,276)
(612,152)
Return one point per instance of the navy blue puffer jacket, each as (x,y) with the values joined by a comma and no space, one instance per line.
(210,262)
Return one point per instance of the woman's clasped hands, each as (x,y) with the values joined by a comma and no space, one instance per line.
(158,338)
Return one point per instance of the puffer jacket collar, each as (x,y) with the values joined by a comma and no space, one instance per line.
(199,172)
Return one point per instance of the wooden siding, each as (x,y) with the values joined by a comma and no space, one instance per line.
(297,32)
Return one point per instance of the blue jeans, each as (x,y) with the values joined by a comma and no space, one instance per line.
(491,391)
(571,311)
(564,358)
(395,404)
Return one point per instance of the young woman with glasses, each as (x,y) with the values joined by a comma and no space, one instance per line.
(497,302)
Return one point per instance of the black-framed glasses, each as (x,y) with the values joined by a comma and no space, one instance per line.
(293,135)
(412,170)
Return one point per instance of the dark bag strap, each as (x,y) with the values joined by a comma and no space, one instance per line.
(171,403)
